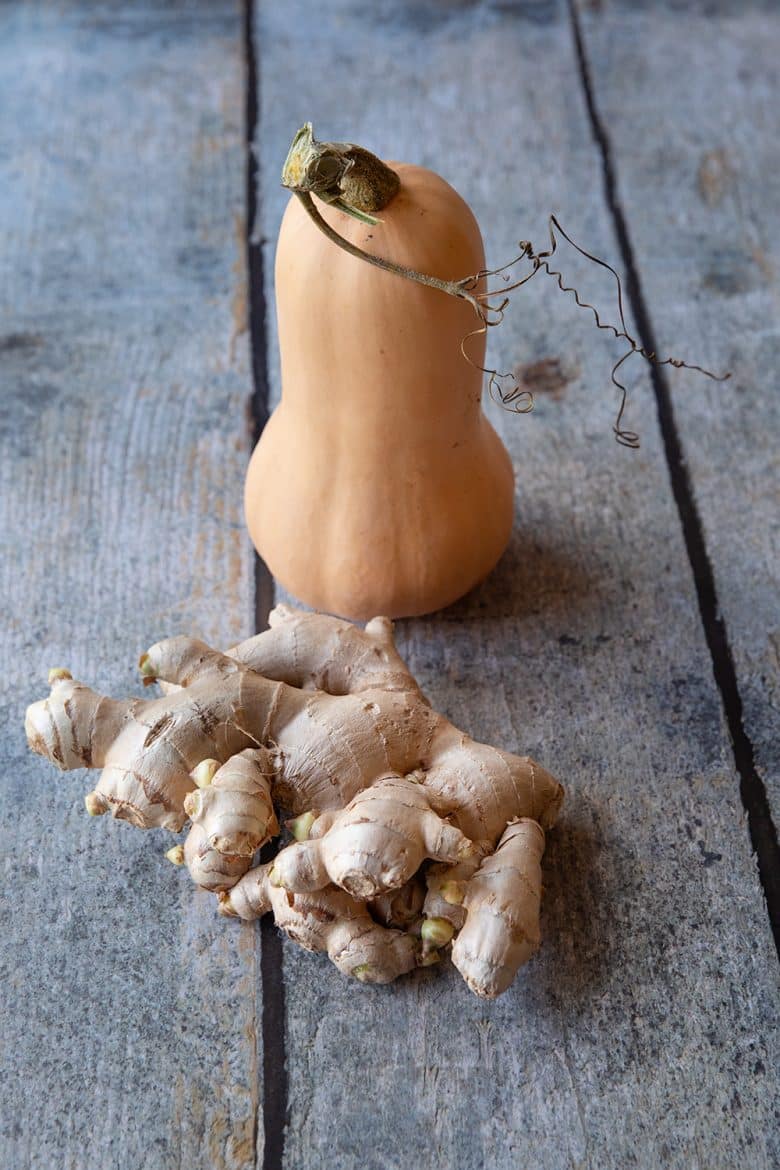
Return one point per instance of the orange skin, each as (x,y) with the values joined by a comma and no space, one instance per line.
(379,486)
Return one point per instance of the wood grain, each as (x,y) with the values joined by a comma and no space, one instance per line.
(128,1027)
(644,1033)
(707,176)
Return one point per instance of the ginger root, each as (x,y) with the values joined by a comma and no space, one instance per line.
(407,834)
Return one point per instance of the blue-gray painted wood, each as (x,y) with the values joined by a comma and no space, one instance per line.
(128,1019)
(707,177)
(645,1033)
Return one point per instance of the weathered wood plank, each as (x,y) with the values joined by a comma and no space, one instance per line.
(127,1034)
(703,157)
(644,1034)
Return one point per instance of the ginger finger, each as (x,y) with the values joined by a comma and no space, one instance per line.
(502,900)
(326,920)
(232,817)
(328,654)
(375,844)
(74,727)
(147,749)
(182,660)
(235,809)
(210,869)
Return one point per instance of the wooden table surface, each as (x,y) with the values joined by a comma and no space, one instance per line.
(629,639)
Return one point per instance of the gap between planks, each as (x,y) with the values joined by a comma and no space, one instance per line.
(763,833)
(272,1013)
(762,830)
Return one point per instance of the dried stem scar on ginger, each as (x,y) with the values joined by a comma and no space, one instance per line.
(409,835)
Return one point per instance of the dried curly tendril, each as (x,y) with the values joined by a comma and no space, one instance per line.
(358,183)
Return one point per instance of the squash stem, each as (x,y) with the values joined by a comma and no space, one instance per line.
(358,183)
(352,178)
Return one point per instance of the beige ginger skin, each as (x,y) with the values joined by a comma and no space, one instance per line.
(324,721)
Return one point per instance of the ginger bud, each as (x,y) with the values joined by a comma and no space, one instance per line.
(364,972)
(148,674)
(300,827)
(96,804)
(453,892)
(205,772)
(437,932)
(225,906)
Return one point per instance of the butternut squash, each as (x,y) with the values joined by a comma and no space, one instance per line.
(378,485)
